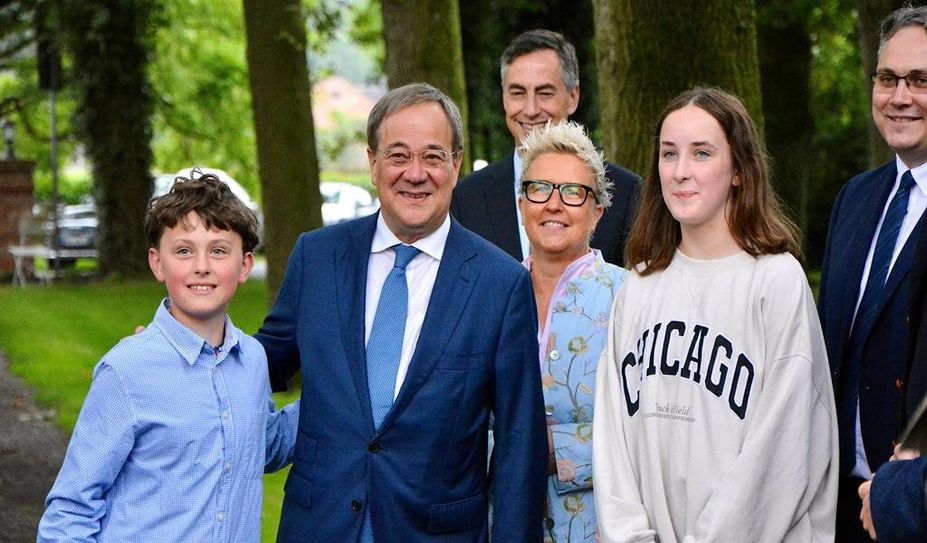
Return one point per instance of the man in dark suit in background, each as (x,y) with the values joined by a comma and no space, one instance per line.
(410,332)
(865,284)
(540,83)
(894,508)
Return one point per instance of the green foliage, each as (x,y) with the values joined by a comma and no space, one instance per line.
(87,321)
(323,18)
(841,113)
(333,142)
(74,186)
(21,100)
(366,29)
(203,105)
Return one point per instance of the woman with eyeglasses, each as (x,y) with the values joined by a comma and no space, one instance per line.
(564,192)
(715,416)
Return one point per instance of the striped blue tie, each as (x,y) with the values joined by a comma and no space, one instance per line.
(882,255)
(384,348)
(866,314)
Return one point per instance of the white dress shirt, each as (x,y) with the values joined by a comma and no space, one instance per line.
(522,234)
(917,203)
(420,276)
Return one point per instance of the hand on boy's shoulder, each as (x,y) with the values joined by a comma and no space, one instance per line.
(138,330)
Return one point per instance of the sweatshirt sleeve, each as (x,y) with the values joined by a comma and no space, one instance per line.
(785,477)
(619,506)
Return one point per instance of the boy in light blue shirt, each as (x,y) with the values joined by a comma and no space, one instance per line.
(178,427)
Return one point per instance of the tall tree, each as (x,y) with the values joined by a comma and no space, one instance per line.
(423,44)
(871,13)
(110,44)
(282,102)
(785,63)
(650,50)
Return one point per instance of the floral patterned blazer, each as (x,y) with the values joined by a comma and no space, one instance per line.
(571,340)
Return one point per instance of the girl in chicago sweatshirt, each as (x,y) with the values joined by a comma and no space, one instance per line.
(714,413)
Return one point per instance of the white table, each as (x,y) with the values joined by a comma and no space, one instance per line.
(21,253)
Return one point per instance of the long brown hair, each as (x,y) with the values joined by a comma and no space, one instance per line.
(755,218)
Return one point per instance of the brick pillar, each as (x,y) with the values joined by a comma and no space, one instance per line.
(16,190)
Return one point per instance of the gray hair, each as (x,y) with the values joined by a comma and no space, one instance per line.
(411,95)
(902,17)
(568,138)
(536,40)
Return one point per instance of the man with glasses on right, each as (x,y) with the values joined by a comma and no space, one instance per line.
(865,285)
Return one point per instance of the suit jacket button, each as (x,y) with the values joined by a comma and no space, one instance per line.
(355,506)
(374,447)
(899,384)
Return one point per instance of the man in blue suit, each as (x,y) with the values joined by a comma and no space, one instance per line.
(395,409)
(865,286)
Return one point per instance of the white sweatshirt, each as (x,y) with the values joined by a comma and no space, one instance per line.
(714,413)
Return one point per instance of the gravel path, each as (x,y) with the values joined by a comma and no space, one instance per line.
(31,449)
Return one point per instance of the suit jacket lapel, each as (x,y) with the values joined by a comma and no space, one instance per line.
(351,293)
(499,195)
(453,288)
(858,248)
(904,262)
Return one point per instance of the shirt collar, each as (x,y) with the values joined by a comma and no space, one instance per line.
(575,267)
(187,342)
(432,244)
(919,174)
(517,163)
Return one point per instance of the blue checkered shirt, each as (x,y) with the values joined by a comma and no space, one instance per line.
(172,442)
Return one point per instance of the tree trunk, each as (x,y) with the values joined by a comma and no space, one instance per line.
(110,44)
(423,44)
(281,100)
(871,13)
(649,51)
(785,63)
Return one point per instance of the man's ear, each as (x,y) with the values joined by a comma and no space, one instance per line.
(574,99)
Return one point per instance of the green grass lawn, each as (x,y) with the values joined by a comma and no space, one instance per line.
(54,336)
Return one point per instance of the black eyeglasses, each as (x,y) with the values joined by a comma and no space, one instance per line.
(886,82)
(571,194)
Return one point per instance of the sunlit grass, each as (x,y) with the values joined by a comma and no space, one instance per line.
(54,336)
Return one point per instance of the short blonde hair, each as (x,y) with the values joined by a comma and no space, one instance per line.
(568,138)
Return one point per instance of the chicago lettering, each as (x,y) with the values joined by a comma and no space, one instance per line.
(710,360)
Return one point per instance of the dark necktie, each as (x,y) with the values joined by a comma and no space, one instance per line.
(865,317)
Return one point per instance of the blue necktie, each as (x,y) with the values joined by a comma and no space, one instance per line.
(866,314)
(384,348)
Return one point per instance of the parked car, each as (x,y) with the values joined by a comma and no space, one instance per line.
(77,231)
(77,227)
(344,201)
